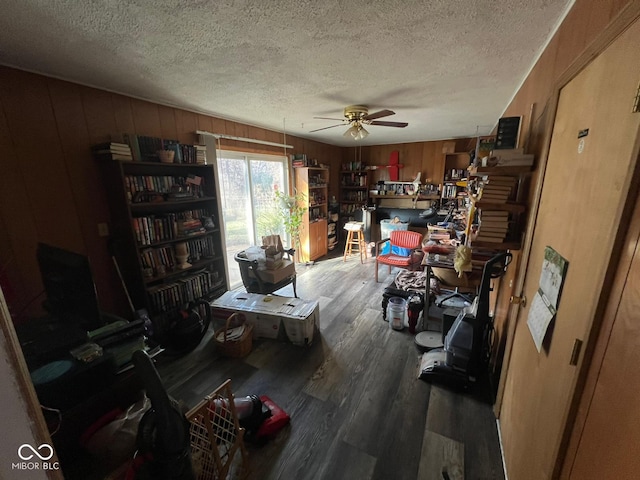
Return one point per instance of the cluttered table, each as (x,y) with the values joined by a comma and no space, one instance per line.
(441,267)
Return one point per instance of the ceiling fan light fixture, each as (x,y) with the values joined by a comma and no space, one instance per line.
(356,131)
(352,131)
(356,116)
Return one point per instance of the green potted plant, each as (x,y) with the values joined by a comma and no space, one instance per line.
(291,211)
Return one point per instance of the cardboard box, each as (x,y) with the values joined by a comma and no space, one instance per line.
(274,261)
(287,268)
(272,316)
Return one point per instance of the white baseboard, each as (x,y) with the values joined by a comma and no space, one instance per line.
(504,465)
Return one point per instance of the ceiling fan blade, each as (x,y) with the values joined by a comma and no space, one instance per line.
(318,129)
(390,124)
(329,118)
(380,114)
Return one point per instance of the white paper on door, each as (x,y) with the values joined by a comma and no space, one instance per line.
(545,302)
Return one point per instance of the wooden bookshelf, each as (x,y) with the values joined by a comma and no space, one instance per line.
(313,182)
(145,234)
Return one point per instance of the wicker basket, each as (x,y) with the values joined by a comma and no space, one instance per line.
(166,156)
(239,347)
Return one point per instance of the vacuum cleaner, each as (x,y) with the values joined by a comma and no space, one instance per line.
(164,448)
(468,343)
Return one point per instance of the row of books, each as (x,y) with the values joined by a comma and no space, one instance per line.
(144,148)
(173,295)
(165,256)
(190,226)
(190,154)
(112,151)
(299,160)
(498,188)
(451,190)
(155,257)
(151,229)
(493,226)
(162,184)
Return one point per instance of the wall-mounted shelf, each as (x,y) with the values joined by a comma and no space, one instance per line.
(515,170)
(410,197)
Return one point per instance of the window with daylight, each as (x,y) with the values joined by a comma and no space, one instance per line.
(247,197)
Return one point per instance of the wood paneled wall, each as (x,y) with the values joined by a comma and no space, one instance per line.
(50,187)
(425,157)
(534,100)
(51,190)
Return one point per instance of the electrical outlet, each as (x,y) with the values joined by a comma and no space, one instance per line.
(103,229)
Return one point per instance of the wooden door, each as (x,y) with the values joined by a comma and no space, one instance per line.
(586,185)
(606,434)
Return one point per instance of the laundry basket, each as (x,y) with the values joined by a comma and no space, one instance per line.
(217,446)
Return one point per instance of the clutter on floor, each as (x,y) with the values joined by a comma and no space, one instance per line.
(162,441)
(271,316)
(468,343)
(235,339)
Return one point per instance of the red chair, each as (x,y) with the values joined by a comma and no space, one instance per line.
(411,241)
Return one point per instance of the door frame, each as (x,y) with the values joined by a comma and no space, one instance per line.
(26,390)
(627,16)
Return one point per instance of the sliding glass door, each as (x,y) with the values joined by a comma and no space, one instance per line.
(249,210)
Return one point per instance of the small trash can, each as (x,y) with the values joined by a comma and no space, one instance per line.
(396,312)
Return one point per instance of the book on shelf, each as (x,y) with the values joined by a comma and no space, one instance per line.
(484,238)
(190,227)
(502,180)
(112,151)
(299,160)
(493,228)
(118,151)
(484,233)
(112,156)
(201,154)
(494,222)
(495,214)
(112,147)
(132,140)
(494,197)
(496,187)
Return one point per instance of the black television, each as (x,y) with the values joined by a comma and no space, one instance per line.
(69,287)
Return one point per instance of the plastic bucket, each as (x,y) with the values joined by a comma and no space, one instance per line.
(396,312)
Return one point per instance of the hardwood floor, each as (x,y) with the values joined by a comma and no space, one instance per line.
(358,410)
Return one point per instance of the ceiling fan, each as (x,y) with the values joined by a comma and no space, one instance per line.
(357,116)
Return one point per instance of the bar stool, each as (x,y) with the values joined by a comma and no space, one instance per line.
(355,237)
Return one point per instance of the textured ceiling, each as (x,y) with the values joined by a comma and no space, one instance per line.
(444,66)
